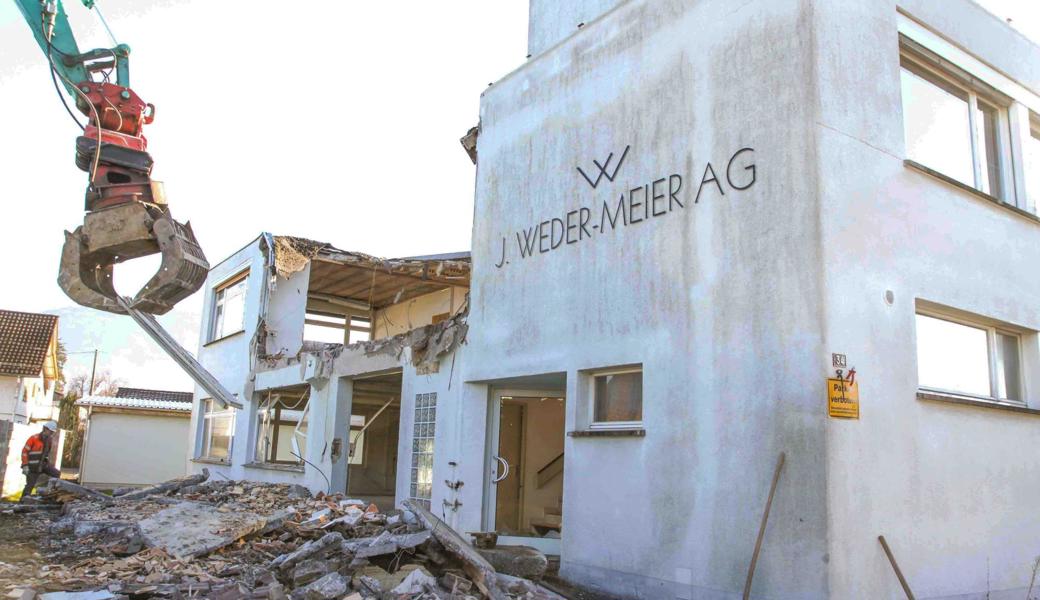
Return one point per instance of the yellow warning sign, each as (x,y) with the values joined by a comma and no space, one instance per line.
(843,399)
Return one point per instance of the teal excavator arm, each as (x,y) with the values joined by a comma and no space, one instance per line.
(127,215)
(50,26)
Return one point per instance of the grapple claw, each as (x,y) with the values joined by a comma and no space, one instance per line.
(79,281)
(124,232)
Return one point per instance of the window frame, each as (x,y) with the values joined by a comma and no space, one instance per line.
(206,441)
(992,330)
(219,300)
(941,73)
(423,402)
(357,425)
(352,323)
(613,425)
(269,456)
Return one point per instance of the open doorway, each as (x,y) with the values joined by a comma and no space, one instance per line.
(375,418)
(526,462)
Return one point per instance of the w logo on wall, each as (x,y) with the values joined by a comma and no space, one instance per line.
(603,168)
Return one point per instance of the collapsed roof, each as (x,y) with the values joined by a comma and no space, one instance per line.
(368,282)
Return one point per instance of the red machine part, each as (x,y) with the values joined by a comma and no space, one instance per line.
(119,110)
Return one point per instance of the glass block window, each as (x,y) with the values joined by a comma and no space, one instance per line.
(423,433)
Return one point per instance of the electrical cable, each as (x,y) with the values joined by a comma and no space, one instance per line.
(54,79)
(93,109)
(328,484)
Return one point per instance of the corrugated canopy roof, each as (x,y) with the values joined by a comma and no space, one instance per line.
(26,342)
(146,394)
(135,403)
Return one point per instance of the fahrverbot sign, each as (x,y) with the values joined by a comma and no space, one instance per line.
(651,199)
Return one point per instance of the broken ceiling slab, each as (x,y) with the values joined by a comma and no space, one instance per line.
(363,282)
(190,529)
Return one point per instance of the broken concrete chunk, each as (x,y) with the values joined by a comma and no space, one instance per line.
(60,489)
(526,589)
(416,582)
(317,518)
(476,566)
(385,543)
(377,580)
(189,529)
(287,561)
(95,595)
(310,570)
(298,491)
(170,486)
(328,587)
(518,561)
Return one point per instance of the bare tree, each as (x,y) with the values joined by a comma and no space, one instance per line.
(75,388)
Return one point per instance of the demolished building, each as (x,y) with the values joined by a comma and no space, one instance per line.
(737,297)
(329,348)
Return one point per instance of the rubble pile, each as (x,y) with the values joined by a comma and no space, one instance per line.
(232,540)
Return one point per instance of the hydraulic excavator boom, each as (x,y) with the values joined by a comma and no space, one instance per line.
(126,211)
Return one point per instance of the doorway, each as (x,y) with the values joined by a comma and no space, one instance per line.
(525,468)
(371,450)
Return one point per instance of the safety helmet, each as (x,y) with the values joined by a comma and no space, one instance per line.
(52,425)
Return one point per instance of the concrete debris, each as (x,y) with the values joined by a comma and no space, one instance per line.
(328,587)
(241,540)
(427,344)
(165,488)
(519,561)
(416,582)
(187,530)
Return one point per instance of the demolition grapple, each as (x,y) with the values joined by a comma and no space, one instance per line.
(126,211)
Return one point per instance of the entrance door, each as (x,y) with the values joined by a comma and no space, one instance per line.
(525,468)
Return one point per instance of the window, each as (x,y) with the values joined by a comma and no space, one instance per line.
(329,328)
(955,125)
(229,304)
(423,433)
(1032,162)
(969,359)
(282,426)
(617,398)
(357,440)
(218,429)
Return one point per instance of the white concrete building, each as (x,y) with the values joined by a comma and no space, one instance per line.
(688,216)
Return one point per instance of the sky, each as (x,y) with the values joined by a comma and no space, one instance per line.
(337,121)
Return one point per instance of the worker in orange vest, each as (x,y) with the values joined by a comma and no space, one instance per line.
(36,457)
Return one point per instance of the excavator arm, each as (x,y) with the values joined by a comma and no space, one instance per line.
(126,211)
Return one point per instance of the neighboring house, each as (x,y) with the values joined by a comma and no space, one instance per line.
(28,378)
(28,366)
(689,214)
(137,437)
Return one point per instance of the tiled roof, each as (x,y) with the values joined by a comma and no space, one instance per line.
(142,403)
(146,394)
(24,341)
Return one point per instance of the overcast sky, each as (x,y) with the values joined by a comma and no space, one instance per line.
(337,121)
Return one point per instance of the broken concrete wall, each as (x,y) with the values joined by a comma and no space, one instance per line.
(417,312)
